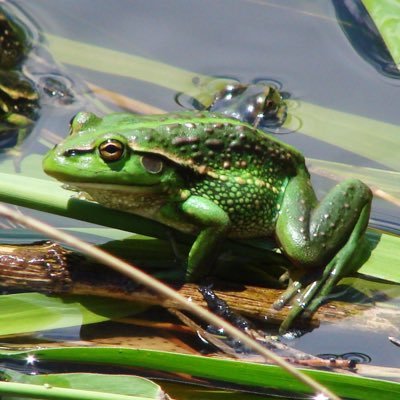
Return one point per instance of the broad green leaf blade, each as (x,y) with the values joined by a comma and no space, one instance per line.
(24,390)
(369,288)
(376,140)
(118,63)
(386,16)
(128,385)
(31,312)
(49,196)
(385,180)
(233,372)
(385,263)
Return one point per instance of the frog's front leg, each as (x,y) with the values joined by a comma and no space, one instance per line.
(212,221)
(324,234)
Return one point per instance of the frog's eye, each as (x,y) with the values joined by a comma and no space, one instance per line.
(152,165)
(111,150)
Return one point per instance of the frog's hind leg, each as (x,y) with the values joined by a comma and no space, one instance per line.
(313,235)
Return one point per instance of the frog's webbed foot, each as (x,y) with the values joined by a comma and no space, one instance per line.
(308,294)
(313,234)
(306,297)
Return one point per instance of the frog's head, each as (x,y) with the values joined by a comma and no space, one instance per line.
(97,154)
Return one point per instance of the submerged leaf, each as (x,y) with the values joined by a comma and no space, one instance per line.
(385,263)
(128,385)
(380,140)
(31,312)
(118,63)
(385,180)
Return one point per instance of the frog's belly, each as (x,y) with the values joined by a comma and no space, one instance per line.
(249,222)
(248,231)
(145,204)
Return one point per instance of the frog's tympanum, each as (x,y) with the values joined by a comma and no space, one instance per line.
(216,177)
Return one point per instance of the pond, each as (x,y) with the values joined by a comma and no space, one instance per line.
(303,48)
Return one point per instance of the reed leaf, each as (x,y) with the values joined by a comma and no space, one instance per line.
(32,312)
(386,16)
(225,371)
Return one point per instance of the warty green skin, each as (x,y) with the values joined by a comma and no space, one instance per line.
(241,170)
(216,177)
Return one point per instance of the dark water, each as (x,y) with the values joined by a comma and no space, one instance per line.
(299,44)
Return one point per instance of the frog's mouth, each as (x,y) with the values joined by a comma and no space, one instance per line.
(114,188)
(135,199)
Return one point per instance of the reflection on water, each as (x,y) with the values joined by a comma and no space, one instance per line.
(260,103)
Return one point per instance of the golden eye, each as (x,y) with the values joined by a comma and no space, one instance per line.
(152,165)
(111,150)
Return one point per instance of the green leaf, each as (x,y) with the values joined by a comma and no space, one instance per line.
(369,288)
(385,180)
(49,196)
(118,63)
(24,390)
(128,385)
(31,312)
(233,372)
(376,140)
(386,16)
(385,262)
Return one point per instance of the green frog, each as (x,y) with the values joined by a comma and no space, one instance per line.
(215,177)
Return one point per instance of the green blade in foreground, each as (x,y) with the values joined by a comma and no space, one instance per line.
(227,371)
(49,196)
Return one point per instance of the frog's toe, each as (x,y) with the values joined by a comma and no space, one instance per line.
(313,306)
(304,305)
(295,312)
(293,289)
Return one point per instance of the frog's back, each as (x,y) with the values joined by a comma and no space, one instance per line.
(209,142)
(242,169)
